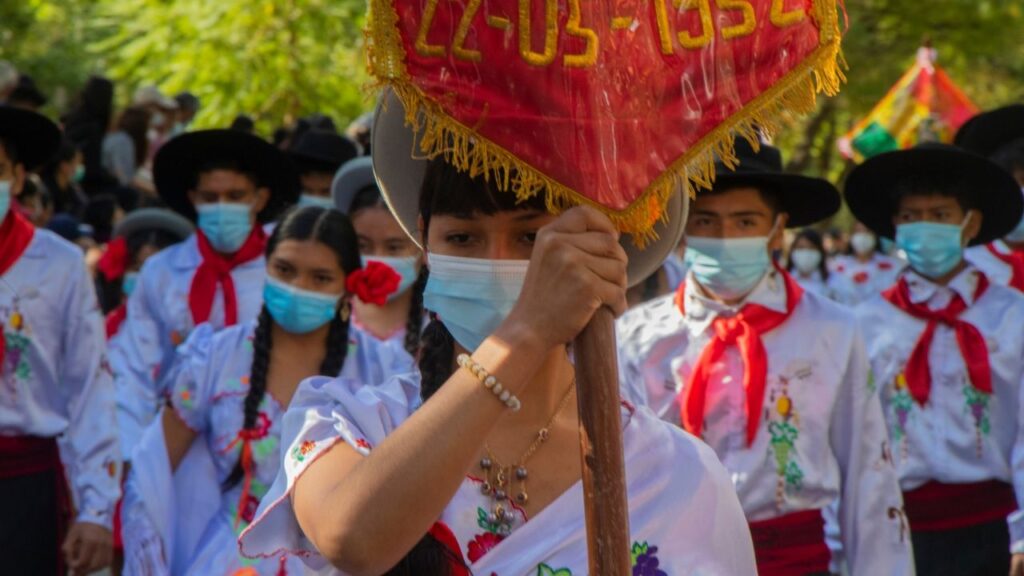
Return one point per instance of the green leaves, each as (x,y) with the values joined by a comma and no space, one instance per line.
(275,60)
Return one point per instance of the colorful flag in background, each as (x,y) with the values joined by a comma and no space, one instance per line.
(924,106)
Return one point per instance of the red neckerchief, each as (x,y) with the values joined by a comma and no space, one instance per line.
(743,330)
(972,343)
(115,318)
(15,235)
(1015,260)
(216,268)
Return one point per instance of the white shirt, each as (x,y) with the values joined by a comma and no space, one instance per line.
(832,447)
(55,380)
(865,279)
(683,515)
(997,271)
(943,440)
(159,319)
(837,287)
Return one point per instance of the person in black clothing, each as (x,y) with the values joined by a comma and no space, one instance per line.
(62,175)
(86,125)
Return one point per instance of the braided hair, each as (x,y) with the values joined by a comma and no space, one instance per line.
(370,197)
(332,229)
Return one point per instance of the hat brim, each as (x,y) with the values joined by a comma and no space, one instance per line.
(35,137)
(352,177)
(178,161)
(987,133)
(147,219)
(400,166)
(805,200)
(869,187)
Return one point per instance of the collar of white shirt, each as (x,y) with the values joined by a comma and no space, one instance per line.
(701,310)
(923,290)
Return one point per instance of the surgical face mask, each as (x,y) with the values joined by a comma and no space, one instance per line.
(932,249)
(128,283)
(862,243)
(805,260)
(728,267)
(473,296)
(156,120)
(405,267)
(296,310)
(225,224)
(307,199)
(5,198)
(79,174)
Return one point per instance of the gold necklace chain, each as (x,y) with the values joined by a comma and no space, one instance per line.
(499,478)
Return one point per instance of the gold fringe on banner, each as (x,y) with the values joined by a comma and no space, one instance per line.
(462,146)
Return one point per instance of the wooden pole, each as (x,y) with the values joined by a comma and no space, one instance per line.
(604,472)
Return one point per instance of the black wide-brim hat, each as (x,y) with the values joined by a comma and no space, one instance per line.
(33,135)
(179,160)
(147,219)
(322,150)
(400,167)
(869,187)
(988,132)
(805,199)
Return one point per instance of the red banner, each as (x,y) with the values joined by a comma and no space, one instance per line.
(615,103)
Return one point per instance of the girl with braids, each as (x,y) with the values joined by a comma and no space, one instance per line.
(228,393)
(472,465)
(381,239)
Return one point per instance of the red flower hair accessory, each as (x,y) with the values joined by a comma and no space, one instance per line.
(114,261)
(373,283)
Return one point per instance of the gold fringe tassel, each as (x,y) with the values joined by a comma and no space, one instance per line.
(793,96)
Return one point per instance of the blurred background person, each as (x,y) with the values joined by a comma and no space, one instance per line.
(868,270)
(62,177)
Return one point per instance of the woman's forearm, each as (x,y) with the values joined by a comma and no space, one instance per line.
(365,514)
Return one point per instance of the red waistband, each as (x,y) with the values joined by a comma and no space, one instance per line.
(936,506)
(23,455)
(791,545)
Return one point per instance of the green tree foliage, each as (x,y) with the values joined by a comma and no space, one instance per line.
(275,60)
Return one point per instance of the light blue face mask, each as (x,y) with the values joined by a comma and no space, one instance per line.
(932,249)
(405,267)
(296,310)
(319,201)
(128,283)
(5,198)
(79,173)
(728,267)
(473,296)
(226,224)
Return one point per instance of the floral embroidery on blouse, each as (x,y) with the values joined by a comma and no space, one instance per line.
(300,452)
(784,432)
(643,556)
(482,544)
(645,560)
(902,404)
(977,405)
(186,399)
(362,443)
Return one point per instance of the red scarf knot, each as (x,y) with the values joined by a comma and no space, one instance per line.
(373,283)
(744,331)
(114,261)
(1015,260)
(216,269)
(969,338)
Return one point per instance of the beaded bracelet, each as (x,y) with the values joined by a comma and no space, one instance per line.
(489,382)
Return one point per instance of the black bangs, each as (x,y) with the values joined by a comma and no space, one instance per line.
(448,191)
